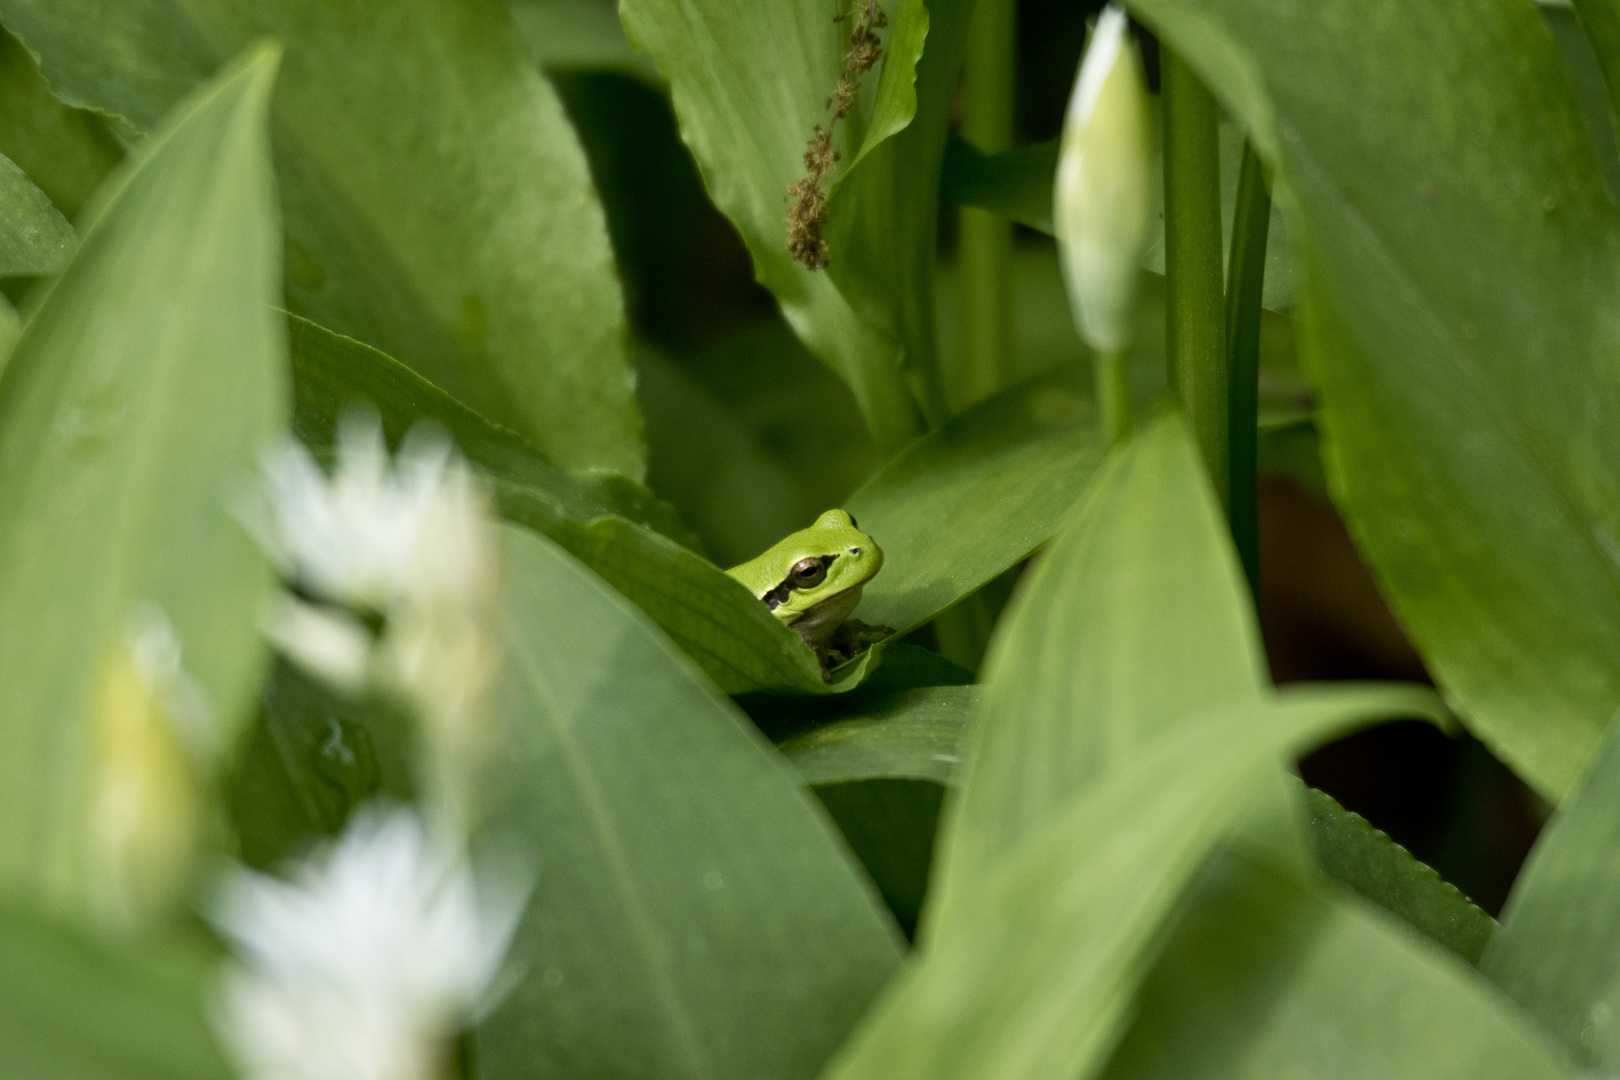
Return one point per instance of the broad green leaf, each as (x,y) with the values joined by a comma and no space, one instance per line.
(332,372)
(1141,583)
(1558,952)
(1353,853)
(133,410)
(310,760)
(692,912)
(34,236)
(749,83)
(1032,973)
(1016,184)
(965,502)
(1268,978)
(438,204)
(73,1007)
(65,151)
(1462,252)
(915,734)
(912,735)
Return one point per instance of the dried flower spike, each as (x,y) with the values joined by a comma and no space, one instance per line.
(809,211)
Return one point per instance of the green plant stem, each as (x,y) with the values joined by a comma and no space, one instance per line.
(1246,276)
(985,360)
(1195,301)
(1114,394)
(1601,21)
(984,283)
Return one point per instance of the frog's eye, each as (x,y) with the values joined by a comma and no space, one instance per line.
(808,573)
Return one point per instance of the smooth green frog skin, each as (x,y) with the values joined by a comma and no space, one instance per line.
(812,581)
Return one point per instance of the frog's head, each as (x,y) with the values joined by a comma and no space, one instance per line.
(831,559)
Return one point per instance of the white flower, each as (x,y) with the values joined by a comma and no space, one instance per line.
(329,643)
(410,541)
(377,533)
(367,966)
(1103,196)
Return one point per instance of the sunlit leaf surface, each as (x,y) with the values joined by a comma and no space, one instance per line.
(437,202)
(132,413)
(1463,250)
(76,1008)
(672,847)
(34,237)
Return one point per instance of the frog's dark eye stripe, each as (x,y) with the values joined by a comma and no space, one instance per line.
(852,523)
(806,574)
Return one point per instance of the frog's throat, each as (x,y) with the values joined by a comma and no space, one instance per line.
(817,625)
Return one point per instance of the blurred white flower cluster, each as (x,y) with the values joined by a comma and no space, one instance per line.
(366,965)
(396,563)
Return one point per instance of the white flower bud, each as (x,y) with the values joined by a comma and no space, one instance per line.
(1103,198)
(152,729)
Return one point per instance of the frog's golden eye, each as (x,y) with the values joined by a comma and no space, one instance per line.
(808,573)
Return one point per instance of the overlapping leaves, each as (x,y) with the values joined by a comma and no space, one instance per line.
(1462,249)
(1085,819)
(131,413)
(749,84)
(437,203)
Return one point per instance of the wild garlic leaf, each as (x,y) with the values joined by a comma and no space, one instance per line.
(437,202)
(132,414)
(1459,262)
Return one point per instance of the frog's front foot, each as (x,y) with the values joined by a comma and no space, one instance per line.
(849,641)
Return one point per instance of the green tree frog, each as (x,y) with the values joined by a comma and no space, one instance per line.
(812,581)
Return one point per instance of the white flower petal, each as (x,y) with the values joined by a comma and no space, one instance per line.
(376,535)
(331,645)
(368,964)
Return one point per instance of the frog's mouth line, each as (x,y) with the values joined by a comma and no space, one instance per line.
(779,595)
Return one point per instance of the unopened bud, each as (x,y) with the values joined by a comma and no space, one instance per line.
(1103,198)
(145,803)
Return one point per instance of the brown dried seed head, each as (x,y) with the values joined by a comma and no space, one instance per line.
(808,213)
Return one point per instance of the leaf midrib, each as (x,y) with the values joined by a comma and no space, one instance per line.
(602,823)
